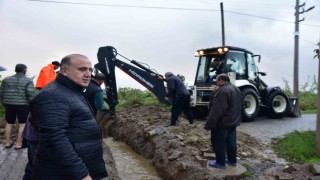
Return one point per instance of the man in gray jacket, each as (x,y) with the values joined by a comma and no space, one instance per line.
(15,94)
(224,117)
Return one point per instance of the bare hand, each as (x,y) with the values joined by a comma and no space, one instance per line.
(215,88)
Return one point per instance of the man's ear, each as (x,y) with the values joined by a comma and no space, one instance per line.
(63,71)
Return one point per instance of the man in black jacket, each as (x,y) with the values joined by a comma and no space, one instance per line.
(70,139)
(94,92)
(179,97)
(224,117)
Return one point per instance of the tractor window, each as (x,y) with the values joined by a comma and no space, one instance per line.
(202,75)
(252,71)
(206,71)
(236,63)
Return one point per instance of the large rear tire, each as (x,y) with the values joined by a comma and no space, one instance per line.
(277,104)
(250,104)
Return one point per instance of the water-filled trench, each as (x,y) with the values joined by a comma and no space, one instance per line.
(129,164)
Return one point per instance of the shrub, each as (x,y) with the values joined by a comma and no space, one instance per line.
(307,94)
(130,96)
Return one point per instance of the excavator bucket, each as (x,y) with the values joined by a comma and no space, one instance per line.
(294,105)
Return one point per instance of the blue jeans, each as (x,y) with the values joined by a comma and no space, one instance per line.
(224,140)
(32,149)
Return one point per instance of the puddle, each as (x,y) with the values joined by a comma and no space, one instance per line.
(131,165)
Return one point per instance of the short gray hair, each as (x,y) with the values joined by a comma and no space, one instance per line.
(223,77)
(66,61)
(168,74)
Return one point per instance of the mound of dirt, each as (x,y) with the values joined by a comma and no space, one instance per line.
(182,152)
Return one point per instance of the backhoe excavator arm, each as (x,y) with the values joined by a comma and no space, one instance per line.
(107,62)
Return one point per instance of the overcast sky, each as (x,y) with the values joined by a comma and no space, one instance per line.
(161,33)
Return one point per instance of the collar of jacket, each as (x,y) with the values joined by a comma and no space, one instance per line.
(19,74)
(51,66)
(94,82)
(225,83)
(68,83)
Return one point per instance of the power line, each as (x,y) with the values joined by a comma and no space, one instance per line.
(258,16)
(309,42)
(172,8)
(128,6)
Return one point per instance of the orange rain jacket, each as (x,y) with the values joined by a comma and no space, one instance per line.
(47,74)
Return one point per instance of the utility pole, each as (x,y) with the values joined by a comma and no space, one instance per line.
(222,24)
(296,110)
(296,53)
(318,103)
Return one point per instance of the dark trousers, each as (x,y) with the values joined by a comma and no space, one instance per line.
(224,140)
(181,103)
(32,149)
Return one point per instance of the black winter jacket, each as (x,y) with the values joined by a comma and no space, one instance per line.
(176,88)
(90,93)
(225,107)
(70,139)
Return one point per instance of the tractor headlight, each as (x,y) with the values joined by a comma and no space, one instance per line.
(199,53)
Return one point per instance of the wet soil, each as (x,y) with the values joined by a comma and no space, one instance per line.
(130,164)
(182,152)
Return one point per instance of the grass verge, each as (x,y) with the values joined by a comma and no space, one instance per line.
(298,147)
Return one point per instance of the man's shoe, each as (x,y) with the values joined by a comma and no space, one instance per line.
(216,165)
(231,164)
(9,145)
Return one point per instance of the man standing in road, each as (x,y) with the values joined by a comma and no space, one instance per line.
(47,74)
(179,96)
(224,117)
(15,94)
(70,139)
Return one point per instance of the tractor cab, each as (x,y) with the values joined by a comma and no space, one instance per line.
(236,62)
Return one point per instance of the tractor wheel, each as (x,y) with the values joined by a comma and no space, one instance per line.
(250,104)
(277,104)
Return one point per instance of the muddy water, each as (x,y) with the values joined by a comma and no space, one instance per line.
(131,165)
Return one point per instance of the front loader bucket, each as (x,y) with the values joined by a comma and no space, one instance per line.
(294,107)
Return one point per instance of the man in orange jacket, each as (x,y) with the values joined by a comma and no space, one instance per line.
(47,74)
